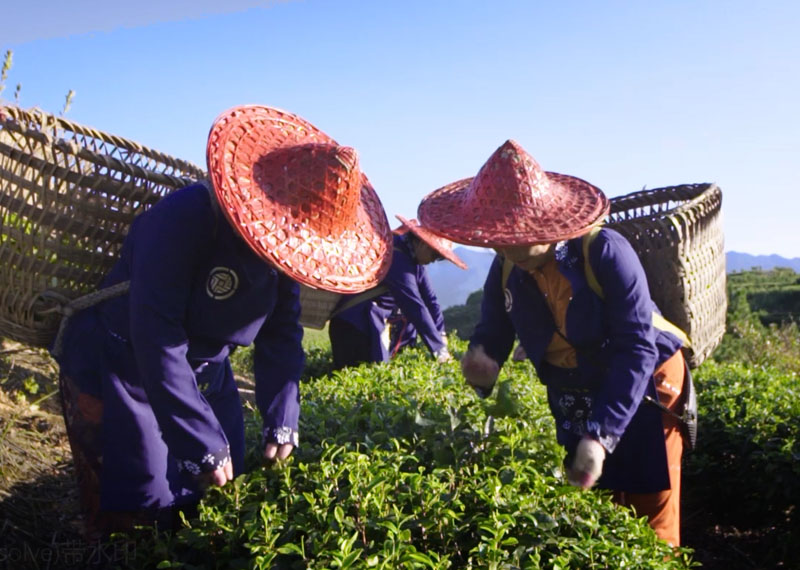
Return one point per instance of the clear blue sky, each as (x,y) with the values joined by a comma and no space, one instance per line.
(623,94)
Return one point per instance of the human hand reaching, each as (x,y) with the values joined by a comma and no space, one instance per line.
(588,463)
(480,370)
(278,452)
(443,355)
(218,477)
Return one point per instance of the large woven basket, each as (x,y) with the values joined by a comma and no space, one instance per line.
(677,232)
(67,196)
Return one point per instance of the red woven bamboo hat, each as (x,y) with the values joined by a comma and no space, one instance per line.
(442,246)
(299,199)
(512,201)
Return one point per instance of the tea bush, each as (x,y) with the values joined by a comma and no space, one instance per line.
(746,469)
(748,341)
(402,466)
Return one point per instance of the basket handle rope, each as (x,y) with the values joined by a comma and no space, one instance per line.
(69,308)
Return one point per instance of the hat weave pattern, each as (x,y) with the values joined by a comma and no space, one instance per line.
(442,246)
(513,201)
(298,199)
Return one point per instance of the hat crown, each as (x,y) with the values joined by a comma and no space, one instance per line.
(316,181)
(513,201)
(298,199)
(512,177)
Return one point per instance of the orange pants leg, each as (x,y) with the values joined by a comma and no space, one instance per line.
(663,509)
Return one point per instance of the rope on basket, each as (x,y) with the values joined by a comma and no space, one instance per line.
(68,308)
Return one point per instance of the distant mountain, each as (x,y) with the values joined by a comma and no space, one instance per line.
(454,285)
(736,261)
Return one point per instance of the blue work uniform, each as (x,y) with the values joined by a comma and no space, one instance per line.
(617,349)
(409,291)
(158,357)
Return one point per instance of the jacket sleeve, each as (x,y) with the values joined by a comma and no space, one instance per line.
(170,241)
(402,283)
(494,331)
(429,298)
(278,362)
(632,350)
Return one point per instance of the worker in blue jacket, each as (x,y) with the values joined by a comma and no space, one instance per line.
(361,329)
(152,409)
(577,298)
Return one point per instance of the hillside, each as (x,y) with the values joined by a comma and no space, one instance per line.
(736,261)
(454,285)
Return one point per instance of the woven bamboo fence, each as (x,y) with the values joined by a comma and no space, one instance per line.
(677,233)
(67,196)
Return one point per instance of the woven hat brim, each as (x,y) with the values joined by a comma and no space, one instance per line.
(349,262)
(434,241)
(446,212)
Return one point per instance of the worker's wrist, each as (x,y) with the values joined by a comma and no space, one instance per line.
(608,441)
(211,461)
(281,435)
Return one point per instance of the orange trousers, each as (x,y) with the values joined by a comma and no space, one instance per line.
(663,509)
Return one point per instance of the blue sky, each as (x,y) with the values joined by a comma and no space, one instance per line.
(623,94)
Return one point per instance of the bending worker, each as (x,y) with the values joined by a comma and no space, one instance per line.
(577,298)
(152,410)
(360,330)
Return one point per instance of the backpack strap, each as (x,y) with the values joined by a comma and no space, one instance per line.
(360,298)
(587,267)
(206,183)
(507,267)
(659,321)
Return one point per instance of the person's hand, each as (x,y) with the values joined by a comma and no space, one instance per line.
(588,464)
(443,355)
(218,477)
(480,370)
(277,452)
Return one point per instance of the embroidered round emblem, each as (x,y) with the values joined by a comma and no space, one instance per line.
(222,283)
(508,299)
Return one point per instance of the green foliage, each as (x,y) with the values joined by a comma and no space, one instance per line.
(67,102)
(749,342)
(461,319)
(746,469)
(757,279)
(316,345)
(7,62)
(400,467)
(774,295)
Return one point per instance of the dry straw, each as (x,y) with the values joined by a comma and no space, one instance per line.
(67,196)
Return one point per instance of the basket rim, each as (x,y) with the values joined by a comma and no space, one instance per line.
(21,117)
(704,191)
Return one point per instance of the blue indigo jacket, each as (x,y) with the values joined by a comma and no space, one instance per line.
(197,291)
(617,346)
(410,290)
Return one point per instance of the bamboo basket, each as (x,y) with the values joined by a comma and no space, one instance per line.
(316,306)
(677,233)
(67,196)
